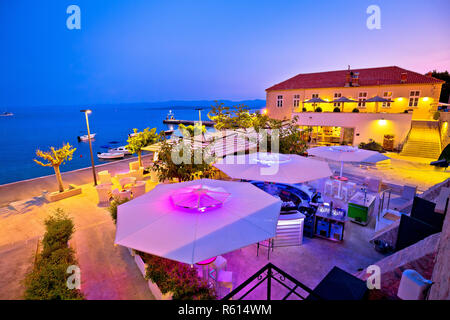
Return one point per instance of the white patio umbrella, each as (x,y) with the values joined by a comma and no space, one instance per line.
(193,221)
(346,154)
(273,167)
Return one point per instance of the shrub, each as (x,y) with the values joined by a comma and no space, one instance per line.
(355,110)
(59,231)
(304,109)
(48,279)
(176,277)
(318,109)
(371,146)
(336,109)
(113,207)
(436,115)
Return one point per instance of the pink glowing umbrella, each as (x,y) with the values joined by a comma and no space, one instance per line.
(199,197)
(193,221)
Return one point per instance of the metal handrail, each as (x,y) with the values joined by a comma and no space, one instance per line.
(271,272)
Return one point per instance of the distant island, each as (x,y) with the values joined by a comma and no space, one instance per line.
(174,104)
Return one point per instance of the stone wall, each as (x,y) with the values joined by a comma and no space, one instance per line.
(420,257)
(441,278)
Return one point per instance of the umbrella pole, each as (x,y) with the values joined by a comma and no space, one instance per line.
(340,181)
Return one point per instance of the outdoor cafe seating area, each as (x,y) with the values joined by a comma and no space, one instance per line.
(190,220)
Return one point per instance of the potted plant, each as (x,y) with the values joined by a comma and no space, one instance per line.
(336,109)
(388,142)
(356,110)
(318,109)
(55,158)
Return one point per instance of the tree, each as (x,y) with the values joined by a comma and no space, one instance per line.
(191,130)
(56,158)
(291,139)
(140,140)
(231,118)
(169,169)
(445,92)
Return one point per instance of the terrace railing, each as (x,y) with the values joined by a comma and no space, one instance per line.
(271,274)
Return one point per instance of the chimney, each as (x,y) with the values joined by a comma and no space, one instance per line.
(348,78)
(355,80)
(403,77)
(429,74)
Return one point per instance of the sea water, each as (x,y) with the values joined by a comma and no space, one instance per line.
(41,127)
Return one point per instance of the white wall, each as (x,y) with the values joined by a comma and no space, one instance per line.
(367,125)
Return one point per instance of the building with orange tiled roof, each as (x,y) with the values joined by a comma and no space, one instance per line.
(411,98)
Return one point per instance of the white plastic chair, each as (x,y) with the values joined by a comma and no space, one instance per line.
(104,194)
(413,286)
(104,177)
(225,279)
(138,189)
(220,263)
(127,181)
(328,189)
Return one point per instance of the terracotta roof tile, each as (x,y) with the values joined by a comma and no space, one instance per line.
(367,77)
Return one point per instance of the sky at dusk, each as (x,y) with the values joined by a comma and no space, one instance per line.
(146,51)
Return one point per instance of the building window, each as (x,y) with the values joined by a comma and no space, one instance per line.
(337,95)
(362,97)
(279,101)
(314,95)
(296,100)
(414,98)
(387,95)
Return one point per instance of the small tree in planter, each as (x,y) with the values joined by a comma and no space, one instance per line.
(140,140)
(56,158)
(356,110)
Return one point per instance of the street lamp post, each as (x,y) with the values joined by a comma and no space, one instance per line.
(199,115)
(86,112)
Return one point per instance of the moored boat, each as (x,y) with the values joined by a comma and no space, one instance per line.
(110,155)
(121,149)
(86,137)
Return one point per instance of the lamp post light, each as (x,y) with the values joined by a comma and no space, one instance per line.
(86,112)
(199,115)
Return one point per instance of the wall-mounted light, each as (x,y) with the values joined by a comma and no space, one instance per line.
(400,99)
(425,99)
(264,111)
(382,122)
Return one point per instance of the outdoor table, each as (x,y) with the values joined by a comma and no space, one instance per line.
(206,264)
(125,194)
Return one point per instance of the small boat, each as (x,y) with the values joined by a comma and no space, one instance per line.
(132,134)
(86,138)
(121,149)
(110,155)
(6,114)
(168,132)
